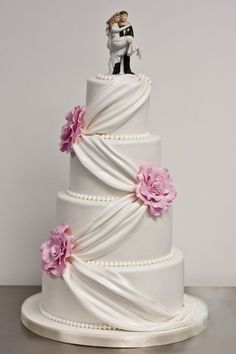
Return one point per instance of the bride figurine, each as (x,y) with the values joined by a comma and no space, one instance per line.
(120,44)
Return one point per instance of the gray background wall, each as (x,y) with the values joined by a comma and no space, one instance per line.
(49,49)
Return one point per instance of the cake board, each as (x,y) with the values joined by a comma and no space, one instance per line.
(35,321)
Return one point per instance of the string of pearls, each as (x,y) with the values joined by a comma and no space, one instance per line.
(75,323)
(106,77)
(95,198)
(109,77)
(125,136)
(133,263)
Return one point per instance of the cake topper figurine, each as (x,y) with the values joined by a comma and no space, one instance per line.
(120,43)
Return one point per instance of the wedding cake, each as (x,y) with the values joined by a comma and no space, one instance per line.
(111,276)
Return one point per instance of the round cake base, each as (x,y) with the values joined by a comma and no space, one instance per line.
(32,319)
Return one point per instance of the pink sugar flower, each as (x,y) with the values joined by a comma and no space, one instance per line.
(57,250)
(72,129)
(155,188)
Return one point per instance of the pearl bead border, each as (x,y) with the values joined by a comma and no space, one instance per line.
(144,262)
(83,325)
(125,136)
(90,197)
(109,77)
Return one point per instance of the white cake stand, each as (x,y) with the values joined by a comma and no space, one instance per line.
(32,318)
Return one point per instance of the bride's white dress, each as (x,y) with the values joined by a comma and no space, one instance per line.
(118,45)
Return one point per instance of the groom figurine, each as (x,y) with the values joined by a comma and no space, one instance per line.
(127,32)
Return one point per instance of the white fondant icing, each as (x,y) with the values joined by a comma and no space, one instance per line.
(117,106)
(150,240)
(103,235)
(121,273)
(137,152)
(162,282)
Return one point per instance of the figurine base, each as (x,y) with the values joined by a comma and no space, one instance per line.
(32,319)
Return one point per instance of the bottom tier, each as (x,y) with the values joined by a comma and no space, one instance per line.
(162,281)
(194,322)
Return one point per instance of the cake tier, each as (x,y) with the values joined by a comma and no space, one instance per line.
(117,104)
(137,151)
(151,239)
(163,282)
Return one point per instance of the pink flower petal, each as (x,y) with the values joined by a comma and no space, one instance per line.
(57,250)
(155,188)
(72,129)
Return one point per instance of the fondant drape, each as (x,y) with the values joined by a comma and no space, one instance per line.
(116,103)
(104,292)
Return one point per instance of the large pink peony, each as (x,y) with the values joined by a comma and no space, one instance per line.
(72,129)
(155,188)
(57,250)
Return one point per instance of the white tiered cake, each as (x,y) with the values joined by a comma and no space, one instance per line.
(117,280)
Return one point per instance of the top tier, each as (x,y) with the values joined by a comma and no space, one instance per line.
(117,104)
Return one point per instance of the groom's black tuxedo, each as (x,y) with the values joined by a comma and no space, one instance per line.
(127,32)
(127,70)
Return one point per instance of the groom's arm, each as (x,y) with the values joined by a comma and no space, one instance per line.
(131,32)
